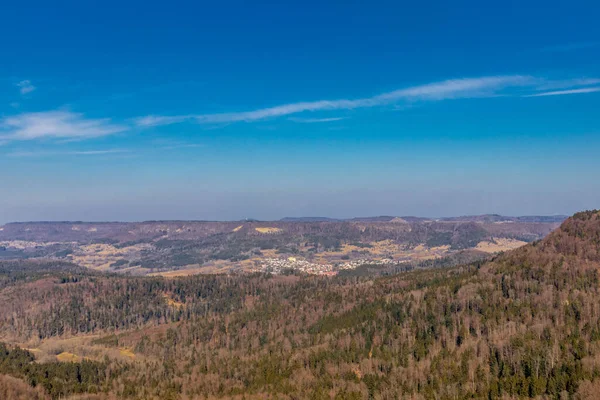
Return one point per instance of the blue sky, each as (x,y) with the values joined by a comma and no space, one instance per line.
(227,110)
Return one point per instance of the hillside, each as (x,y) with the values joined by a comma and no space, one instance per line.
(526,324)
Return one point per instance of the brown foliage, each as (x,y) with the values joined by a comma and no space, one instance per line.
(15,389)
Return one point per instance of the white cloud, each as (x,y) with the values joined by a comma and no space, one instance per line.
(563,92)
(458,88)
(55,125)
(157,120)
(449,89)
(69,125)
(25,86)
(315,120)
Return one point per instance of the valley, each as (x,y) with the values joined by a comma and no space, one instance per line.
(308,245)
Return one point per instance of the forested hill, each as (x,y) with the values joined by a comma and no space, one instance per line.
(578,236)
(524,325)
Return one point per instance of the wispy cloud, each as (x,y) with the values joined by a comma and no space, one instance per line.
(67,153)
(55,125)
(63,124)
(567,83)
(569,47)
(158,120)
(437,91)
(315,120)
(563,92)
(25,86)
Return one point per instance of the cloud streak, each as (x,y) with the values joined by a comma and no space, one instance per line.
(563,92)
(64,124)
(437,91)
(315,120)
(158,120)
(490,86)
(55,125)
(568,83)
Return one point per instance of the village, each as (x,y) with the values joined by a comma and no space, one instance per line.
(281,265)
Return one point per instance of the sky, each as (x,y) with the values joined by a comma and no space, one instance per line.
(235,109)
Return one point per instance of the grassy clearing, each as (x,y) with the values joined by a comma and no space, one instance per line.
(65,356)
(268,230)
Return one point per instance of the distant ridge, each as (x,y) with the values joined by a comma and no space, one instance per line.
(382,218)
(308,219)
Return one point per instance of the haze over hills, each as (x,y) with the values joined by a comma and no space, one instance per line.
(466,218)
(523,325)
(379,218)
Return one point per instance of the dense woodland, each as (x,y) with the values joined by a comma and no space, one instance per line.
(523,325)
